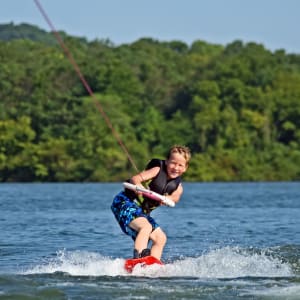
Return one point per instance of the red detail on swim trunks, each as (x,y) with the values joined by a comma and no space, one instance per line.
(130,263)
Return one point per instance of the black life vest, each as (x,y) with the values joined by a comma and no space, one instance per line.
(159,184)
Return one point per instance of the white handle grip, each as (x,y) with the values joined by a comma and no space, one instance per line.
(167,201)
(150,194)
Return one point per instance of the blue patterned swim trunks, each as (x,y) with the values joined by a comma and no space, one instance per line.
(125,211)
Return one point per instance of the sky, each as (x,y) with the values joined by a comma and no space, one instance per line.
(272,23)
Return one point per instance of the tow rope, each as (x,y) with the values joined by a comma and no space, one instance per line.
(84,82)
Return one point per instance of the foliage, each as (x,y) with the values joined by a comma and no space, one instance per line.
(237,107)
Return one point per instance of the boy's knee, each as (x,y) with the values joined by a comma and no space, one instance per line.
(147,228)
(161,238)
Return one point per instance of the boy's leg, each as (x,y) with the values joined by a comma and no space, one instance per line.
(144,228)
(159,239)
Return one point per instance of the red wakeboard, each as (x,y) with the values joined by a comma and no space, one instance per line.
(130,263)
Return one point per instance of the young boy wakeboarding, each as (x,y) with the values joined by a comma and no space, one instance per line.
(132,211)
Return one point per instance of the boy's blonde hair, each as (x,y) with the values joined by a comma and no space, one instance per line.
(183,150)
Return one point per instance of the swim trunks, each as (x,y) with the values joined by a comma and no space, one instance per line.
(125,211)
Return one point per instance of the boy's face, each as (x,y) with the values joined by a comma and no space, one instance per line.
(176,165)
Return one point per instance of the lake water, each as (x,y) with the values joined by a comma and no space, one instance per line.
(225,241)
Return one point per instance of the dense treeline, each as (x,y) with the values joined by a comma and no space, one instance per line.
(236,106)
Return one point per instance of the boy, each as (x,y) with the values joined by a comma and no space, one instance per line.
(133,211)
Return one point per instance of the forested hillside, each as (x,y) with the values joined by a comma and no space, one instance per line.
(236,106)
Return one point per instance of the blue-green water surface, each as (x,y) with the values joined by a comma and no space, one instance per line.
(225,241)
